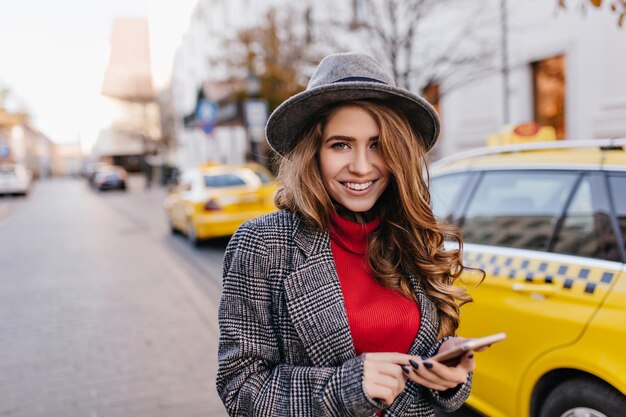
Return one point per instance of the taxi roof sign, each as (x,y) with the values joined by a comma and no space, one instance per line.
(522,133)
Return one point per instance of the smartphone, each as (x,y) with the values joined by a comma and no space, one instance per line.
(451,357)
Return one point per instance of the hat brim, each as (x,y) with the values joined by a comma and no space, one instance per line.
(287,123)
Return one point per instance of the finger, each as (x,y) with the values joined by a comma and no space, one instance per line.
(381,393)
(396,384)
(386,386)
(418,367)
(442,375)
(384,373)
(381,368)
(467,362)
(418,379)
(390,369)
(452,375)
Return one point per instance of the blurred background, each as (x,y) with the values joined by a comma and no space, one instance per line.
(86,82)
(107,309)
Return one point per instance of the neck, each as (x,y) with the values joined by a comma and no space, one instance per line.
(358,217)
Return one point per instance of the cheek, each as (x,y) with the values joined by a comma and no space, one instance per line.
(327,168)
(385,175)
(383,168)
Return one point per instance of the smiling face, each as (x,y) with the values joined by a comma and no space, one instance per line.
(353,169)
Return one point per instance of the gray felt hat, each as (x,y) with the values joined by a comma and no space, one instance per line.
(347,77)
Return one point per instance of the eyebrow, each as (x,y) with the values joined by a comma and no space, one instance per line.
(348,138)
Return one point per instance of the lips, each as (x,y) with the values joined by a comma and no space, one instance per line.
(358,186)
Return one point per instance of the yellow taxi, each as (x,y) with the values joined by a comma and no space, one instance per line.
(547,224)
(213,200)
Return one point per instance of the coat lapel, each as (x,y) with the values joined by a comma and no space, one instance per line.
(429,321)
(315,301)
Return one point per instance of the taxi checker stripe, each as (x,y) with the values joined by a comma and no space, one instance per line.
(496,265)
(515,267)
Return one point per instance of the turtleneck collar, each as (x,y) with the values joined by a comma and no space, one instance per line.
(351,235)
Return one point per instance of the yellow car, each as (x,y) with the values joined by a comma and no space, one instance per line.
(213,200)
(547,223)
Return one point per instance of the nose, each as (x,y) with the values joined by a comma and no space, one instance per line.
(361,163)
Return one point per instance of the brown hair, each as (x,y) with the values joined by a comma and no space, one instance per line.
(409,240)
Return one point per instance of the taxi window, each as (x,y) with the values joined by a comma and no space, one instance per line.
(585,230)
(617,185)
(444,193)
(223,180)
(517,209)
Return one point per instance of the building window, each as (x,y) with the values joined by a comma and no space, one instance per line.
(549,93)
(432,94)
(358,13)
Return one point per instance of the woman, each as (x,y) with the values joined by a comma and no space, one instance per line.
(330,304)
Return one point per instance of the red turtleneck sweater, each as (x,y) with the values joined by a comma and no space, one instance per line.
(380,319)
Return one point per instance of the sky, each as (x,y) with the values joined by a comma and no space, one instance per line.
(54,54)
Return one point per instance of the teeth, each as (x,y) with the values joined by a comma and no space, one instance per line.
(358,187)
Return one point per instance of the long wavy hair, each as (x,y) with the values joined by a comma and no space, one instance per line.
(409,240)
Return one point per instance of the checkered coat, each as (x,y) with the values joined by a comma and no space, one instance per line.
(285,346)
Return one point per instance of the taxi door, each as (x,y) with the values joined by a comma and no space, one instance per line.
(536,236)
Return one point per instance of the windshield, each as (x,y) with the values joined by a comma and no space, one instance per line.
(223,180)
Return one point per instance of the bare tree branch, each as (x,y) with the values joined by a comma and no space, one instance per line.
(397,32)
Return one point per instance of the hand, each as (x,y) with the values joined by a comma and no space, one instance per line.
(383,378)
(440,377)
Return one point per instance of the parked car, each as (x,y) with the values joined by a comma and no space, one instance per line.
(547,223)
(213,200)
(109,177)
(15,179)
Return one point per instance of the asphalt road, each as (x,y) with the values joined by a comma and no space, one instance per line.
(103,314)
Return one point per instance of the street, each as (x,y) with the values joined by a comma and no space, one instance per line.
(104,312)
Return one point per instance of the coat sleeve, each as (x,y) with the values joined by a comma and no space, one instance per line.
(453,398)
(252,378)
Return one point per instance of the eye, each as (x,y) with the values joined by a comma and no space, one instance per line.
(339,145)
(374,145)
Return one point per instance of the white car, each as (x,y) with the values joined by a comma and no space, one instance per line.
(14,179)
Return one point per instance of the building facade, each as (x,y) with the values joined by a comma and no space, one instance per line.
(22,144)
(134,128)
(200,70)
(564,69)
(543,65)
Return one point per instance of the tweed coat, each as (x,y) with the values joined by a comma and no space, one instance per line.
(285,346)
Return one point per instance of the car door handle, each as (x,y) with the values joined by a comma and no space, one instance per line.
(542,289)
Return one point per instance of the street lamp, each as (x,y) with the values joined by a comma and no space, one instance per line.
(505,62)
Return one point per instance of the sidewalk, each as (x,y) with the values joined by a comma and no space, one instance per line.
(98,319)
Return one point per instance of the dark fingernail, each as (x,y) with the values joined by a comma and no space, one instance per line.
(414,364)
(471,356)
(405,369)
(428,365)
